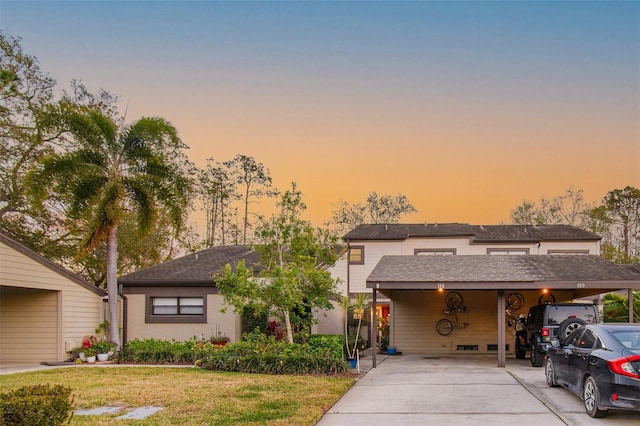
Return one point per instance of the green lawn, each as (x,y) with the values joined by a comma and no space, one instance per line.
(192,395)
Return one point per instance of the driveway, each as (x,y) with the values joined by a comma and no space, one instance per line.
(461,390)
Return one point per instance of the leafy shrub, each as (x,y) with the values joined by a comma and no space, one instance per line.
(258,353)
(36,405)
(154,351)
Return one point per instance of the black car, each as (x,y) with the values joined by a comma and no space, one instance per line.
(601,364)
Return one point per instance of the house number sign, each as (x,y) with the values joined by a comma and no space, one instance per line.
(580,285)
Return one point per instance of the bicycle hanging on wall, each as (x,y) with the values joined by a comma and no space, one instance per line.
(455,305)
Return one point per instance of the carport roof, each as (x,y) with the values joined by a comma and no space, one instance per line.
(496,272)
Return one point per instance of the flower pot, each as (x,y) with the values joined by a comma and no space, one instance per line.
(353,362)
(91,359)
(103,357)
(391,350)
(82,357)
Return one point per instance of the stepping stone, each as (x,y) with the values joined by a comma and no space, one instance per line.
(98,411)
(140,413)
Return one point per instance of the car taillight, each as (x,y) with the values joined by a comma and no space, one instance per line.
(544,332)
(624,367)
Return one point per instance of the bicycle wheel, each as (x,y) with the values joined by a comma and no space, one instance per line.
(546,298)
(444,327)
(453,300)
(515,301)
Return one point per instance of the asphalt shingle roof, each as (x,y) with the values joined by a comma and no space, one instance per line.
(194,268)
(478,233)
(484,268)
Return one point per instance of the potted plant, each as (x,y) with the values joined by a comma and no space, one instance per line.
(90,355)
(218,338)
(102,349)
(358,306)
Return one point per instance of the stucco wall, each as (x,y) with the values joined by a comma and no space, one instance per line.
(227,323)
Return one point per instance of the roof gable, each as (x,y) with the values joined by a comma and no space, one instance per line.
(19,247)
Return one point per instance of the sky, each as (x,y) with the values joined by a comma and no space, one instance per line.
(468,107)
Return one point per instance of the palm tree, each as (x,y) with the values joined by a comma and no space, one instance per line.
(110,171)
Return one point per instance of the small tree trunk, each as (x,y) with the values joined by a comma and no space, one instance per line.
(287,322)
(112,285)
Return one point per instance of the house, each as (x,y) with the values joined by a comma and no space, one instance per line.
(409,269)
(45,310)
(179,300)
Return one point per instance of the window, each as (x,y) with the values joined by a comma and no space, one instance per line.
(508,251)
(435,252)
(356,255)
(177,306)
(567,252)
(166,308)
(588,340)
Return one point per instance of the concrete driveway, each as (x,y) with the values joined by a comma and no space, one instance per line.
(461,390)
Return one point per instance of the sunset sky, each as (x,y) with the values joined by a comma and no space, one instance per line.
(467,108)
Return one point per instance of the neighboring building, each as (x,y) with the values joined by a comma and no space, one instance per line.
(45,310)
(179,300)
(409,268)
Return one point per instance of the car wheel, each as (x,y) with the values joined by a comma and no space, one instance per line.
(570,325)
(536,357)
(591,397)
(550,373)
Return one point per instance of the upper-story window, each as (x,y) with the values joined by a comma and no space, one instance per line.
(567,252)
(356,255)
(435,252)
(505,251)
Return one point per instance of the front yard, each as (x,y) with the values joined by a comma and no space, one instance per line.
(192,395)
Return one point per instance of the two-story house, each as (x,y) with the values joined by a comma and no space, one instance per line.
(409,269)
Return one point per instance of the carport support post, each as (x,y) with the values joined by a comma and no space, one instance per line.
(373,328)
(502,356)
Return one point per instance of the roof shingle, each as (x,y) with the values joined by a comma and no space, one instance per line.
(198,267)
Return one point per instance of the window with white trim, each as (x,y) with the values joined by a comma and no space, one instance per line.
(508,251)
(434,252)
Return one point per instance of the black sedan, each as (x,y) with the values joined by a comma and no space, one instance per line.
(601,364)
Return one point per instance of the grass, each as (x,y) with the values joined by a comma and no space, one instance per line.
(192,395)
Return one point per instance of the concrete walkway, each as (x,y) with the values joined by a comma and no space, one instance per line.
(461,390)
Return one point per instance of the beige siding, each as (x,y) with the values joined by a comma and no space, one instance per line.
(372,253)
(228,323)
(77,311)
(414,315)
(28,325)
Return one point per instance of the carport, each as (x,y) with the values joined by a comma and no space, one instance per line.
(417,281)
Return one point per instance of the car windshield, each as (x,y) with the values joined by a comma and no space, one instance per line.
(629,339)
(557,314)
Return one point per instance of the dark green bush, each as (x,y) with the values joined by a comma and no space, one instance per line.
(154,351)
(36,405)
(258,353)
